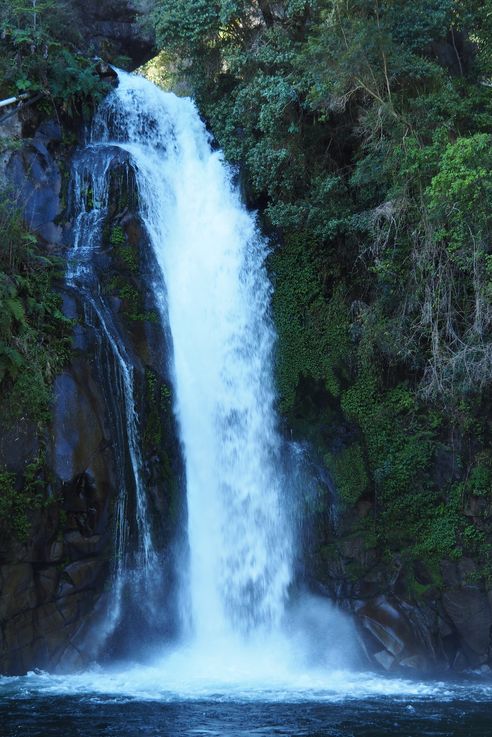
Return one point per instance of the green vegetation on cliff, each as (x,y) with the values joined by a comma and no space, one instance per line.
(35,342)
(362,129)
(39,56)
(38,59)
(34,333)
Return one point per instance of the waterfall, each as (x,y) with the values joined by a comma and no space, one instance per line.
(213,293)
(213,289)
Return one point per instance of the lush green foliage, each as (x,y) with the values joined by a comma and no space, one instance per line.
(34,333)
(39,56)
(362,128)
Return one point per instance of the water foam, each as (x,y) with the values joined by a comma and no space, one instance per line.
(256,679)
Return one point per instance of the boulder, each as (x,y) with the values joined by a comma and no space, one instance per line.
(80,546)
(36,177)
(386,624)
(81,574)
(468,609)
(389,623)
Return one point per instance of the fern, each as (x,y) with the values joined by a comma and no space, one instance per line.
(16,308)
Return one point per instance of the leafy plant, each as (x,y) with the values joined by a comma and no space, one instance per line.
(34,333)
(39,56)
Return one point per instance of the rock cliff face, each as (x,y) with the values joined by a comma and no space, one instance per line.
(116,28)
(445,628)
(52,584)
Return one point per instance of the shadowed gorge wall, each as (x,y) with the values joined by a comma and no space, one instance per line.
(60,454)
(114,29)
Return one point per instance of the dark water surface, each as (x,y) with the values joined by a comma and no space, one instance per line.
(94,716)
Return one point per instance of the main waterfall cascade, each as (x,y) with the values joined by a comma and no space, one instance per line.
(213,293)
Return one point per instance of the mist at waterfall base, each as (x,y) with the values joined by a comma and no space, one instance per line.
(254,655)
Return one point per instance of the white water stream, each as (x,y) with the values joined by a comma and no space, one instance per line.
(90,201)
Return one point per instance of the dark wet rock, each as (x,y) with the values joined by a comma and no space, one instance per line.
(394,635)
(55,552)
(468,609)
(447,629)
(384,659)
(80,439)
(116,28)
(17,589)
(418,663)
(77,545)
(385,623)
(20,630)
(34,174)
(81,574)
(46,583)
(49,620)
(53,595)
